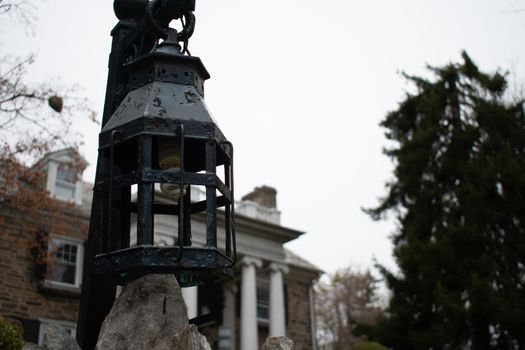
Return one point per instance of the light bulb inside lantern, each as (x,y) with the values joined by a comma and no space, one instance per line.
(170,160)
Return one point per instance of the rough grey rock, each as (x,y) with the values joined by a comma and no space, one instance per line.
(150,314)
(56,338)
(278,343)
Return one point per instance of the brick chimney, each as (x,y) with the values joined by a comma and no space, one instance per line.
(264,196)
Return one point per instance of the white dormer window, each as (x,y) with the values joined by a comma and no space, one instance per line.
(65,183)
(62,182)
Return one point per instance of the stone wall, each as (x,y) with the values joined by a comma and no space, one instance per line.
(299,315)
(21,295)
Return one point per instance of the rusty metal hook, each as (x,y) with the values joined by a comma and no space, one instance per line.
(151,7)
(187,19)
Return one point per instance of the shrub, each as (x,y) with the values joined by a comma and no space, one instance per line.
(10,336)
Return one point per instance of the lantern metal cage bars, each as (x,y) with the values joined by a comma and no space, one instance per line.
(117,257)
(164,103)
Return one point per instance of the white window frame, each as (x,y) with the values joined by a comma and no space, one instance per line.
(78,264)
(52,179)
(45,322)
(69,186)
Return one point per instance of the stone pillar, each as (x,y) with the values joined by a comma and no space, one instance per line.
(228,312)
(277,306)
(249,333)
(190,295)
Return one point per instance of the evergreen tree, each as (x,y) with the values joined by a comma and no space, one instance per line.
(458,195)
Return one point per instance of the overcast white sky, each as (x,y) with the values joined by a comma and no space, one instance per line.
(299,87)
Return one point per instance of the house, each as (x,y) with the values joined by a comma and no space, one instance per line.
(33,291)
(271,293)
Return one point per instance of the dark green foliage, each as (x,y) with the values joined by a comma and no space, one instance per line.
(10,336)
(459,198)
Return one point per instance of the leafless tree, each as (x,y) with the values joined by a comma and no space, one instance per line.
(34,119)
(21,11)
(347,298)
(24,116)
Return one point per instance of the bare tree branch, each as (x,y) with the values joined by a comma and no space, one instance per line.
(347,298)
(29,128)
(23,110)
(513,9)
(21,11)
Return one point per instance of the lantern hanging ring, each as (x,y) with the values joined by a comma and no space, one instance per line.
(187,18)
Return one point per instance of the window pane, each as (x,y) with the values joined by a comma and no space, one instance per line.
(64,265)
(62,273)
(65,174)
(263,300)
(66,253)
(64,190)
(263,312)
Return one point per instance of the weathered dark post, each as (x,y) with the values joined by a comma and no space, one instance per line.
(156,134)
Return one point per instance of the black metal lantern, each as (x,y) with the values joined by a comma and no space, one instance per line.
(157,135)
(162,133)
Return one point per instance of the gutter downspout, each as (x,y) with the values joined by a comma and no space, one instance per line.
(313,320)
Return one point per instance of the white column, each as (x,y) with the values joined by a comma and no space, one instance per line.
(190,296)
(277,306)
(51,177)
(249,333)
(228,312)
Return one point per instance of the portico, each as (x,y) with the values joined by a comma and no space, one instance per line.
(269,295)
(249,267)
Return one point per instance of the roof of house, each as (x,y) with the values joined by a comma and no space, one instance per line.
(65,154)
(296,260)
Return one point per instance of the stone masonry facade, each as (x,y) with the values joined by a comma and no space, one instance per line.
(27,296)
(22,295)
(299,315)
(23,298)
